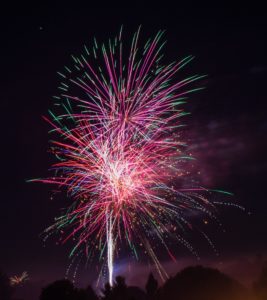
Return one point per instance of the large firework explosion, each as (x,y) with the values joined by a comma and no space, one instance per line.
(120,153)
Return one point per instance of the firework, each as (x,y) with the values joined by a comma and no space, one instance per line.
(120,154)
(19,279)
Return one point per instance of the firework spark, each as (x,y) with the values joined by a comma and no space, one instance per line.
(19,279)
(121,157)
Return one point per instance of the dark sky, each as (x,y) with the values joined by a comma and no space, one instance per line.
(227,128)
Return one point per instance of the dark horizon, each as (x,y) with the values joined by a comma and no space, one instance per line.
(226,129)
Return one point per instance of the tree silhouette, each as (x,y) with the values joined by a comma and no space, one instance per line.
(151,286)
(64,290)
(135,293)
(260,286)
(80,294)
(107,292)
(84,294)
(61,289)
(5,288)
(199,283)
(192,283)
(91,293)
(120,291)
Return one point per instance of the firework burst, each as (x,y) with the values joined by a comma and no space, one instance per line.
(120,153)
(19,279)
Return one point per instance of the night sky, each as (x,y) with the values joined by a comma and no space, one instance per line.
(226,130)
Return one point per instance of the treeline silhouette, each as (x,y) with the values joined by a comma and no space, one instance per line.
(192,283)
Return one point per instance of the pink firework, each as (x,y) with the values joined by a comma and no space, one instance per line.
(120,152)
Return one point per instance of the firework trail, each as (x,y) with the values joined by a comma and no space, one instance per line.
(119,151)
